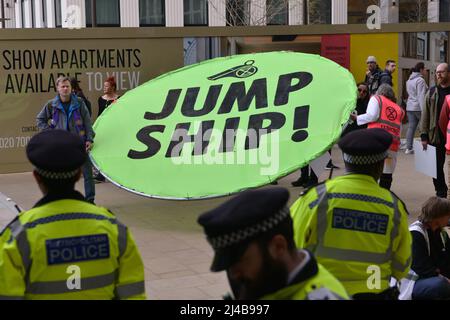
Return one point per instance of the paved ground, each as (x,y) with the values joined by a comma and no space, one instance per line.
(175,252)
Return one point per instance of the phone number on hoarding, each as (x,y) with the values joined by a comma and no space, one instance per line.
(14,142)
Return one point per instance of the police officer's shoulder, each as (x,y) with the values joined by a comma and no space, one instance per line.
(312,187)
(401,201)
(8,225)
(109,211)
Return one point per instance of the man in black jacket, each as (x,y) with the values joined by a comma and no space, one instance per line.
(372,75)
(386,75)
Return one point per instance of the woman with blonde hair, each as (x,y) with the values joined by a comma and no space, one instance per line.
(431,250)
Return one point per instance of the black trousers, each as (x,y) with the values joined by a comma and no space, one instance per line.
(439,184)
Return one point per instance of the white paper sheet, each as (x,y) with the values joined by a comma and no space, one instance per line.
(425,160)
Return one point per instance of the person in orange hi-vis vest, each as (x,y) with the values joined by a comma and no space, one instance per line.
(383,112)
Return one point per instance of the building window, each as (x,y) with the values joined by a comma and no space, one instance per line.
(195,12)
(33,18)
(22,10)
(416,45)
(106,13)
(58,19)
(319,11)
(151,13)
(357,10)
(441,39)
(238,12)
(44,13)
(413,10)
(444,11)
(277,12)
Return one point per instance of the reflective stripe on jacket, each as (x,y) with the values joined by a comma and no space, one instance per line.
(390,119)
(355,229)
(69,249)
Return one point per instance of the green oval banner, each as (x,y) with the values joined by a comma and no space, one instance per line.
(223,125)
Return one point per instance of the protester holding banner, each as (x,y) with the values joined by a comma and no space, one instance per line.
(68,112)
(65,247)
(352,225)
(252,237)
(383,112)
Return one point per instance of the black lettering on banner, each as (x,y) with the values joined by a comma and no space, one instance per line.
(229,135)
(39,58)
(257,91)
(9,85)
(17,60)
(187,109)
(120,59)
(111,58)
(169,106)
(55,60)
(9,65)
(51,83)
(101,59)
(138,62)
(285,86)
(301,118)
(74,60)
(256,121)
(26,56)
(180,137)
(92,52)
(64,57)
(83,59)
(29,86)
(153,145)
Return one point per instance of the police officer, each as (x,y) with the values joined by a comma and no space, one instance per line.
(357,229)
(65,247)
(252,237)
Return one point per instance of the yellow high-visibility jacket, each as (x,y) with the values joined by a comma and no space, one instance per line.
(357,230)
(316,284)
(69,249)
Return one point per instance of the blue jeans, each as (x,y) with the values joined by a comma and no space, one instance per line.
(89,185)
(413,121)
(435,288)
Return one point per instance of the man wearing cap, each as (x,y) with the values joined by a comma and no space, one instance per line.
(372,75)
(68,112)
(356,229)
(252,237)
(65,247)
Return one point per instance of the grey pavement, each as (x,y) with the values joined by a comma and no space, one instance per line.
(174,250)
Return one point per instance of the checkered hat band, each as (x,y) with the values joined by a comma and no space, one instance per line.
(366,159)
(57,175)
(235,237)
